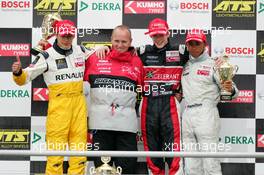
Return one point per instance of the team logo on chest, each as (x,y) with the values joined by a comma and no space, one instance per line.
(172,56)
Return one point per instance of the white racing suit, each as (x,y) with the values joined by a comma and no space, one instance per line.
(201,122)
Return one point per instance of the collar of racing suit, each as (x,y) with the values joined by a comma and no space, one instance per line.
(125,56)
(60,50)
(202,57)
(161,49)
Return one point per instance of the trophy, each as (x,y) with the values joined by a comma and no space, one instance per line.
(47,28)
(226,72)
(105,169)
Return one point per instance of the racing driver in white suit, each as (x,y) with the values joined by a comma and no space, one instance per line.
(201,91)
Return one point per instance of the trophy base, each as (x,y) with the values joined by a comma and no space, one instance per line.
(35,51)
(225,97)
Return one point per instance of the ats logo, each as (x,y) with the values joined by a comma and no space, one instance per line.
(261,53)
(15,5)
(244,96)
(14,138)
(95,44)
(235,8)
(45,6)
(144,7)
(198,7)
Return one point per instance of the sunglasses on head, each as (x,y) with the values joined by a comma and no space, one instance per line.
(194,43)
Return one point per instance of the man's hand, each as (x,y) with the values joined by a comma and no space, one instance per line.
(227,85)
(101,52)
(44,43)
(16,67)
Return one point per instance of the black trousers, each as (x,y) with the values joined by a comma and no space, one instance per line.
(116,141)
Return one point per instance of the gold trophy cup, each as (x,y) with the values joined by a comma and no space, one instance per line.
(105,169)
(226,72)
(47,28)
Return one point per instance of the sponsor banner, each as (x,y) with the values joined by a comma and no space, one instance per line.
(43,7)
(40,94)
(239,15)
(13,42)
(259,138)
(95,39)
(13,97)
(244,96)
(144,7)
(260,52)
(107,9)
(259,168)
(14,49)
(181,12)
(259,96)
(236,139)
(20,11)
(139,38)
(242,53)
(244,106)
(260,14)
(238,168)
(38,108)
(137,13)
(14,167)
(38,131)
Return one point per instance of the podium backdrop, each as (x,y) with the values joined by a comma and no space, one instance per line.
(234,27)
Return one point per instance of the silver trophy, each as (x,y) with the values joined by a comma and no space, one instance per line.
(105,169)
(226,72)
(47,28)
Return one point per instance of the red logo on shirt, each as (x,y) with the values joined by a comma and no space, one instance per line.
(203,72)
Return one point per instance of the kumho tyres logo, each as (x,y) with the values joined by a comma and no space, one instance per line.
(235,8)
(100,6)
(46,6)
(12,93)
(238,140)
(261,53)
(14,138)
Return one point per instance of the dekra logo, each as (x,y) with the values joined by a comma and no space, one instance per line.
(13,93)
(102,6)
(36,137)
(261,7)
(238,140)
(235,6)
(53,5)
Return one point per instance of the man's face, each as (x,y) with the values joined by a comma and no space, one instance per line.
(160,40)
(195,48)
(65,41)
(121,40)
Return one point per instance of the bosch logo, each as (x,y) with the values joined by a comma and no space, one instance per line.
(194,6)
(239,50)
(15,4)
